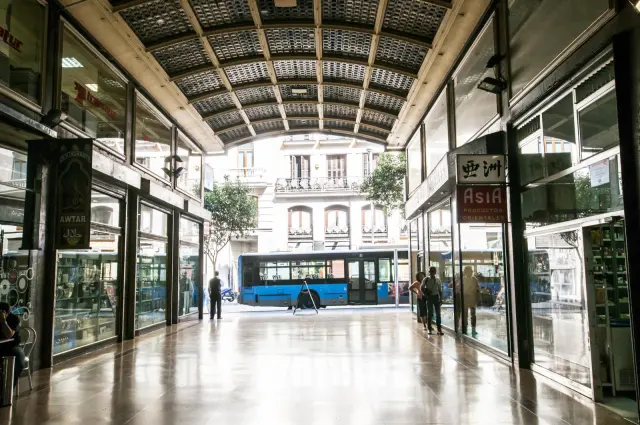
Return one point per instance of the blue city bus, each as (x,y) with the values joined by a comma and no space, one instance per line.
(334,277)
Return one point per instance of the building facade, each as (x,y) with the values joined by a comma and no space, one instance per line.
(550,89)
(308,193)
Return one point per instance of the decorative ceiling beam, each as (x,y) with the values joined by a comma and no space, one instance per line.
(373,50)
(124,5)
(266,52)
(192,71)
(305,118)
(442,3)
(367,138)
(317,32)
(195,23)
(409,38)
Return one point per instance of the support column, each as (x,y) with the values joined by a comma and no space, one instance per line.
(129,284)
(173,255)
(626,56)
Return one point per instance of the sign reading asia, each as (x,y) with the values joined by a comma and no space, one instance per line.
(481,169)
(482,204)
(73,207)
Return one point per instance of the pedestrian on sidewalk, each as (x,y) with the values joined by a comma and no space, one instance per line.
(432,290)
(215,297)
(421,300)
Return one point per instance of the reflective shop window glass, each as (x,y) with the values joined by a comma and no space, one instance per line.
(559,136)
(531,160)
(93,96)
(592,190)
(599,125)
(105,209)
(191,178)
(558,305)
(22,26)
(436,130)
(440,257)
(474,108)
(87,290)
(414,163)
(153,139)
(189,267)
(151,276)
(539,30)
(480,290)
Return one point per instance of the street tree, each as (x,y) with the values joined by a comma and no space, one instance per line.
(385,186)
(234,212)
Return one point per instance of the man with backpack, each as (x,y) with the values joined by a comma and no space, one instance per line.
(431,289)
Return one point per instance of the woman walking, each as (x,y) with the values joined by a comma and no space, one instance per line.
(422,301)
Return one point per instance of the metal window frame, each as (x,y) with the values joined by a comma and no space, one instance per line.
(194,147)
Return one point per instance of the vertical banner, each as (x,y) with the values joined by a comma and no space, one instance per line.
(73,209)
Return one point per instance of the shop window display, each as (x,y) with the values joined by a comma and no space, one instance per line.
(480,289)
(87,288)
(151,281)
(21,48)
(191,178)
(441,257)
(93,94)
(558,305)
(153,139)
(189,271)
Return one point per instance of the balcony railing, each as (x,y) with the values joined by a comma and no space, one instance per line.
(300,233)
(246,175)
(319,184)
(336,231)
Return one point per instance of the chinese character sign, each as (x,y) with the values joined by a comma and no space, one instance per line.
(481,169)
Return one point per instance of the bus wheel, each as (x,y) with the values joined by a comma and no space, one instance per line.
(316,300)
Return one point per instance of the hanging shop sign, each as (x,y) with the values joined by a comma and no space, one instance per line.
(481,169)
(73,210)
(482,204)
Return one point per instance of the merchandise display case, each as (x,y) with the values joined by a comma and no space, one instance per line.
(608,279)
(151,294)
(86,299)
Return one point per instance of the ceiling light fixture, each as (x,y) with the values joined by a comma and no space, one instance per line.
(493,85)
(299,90)
(71,63)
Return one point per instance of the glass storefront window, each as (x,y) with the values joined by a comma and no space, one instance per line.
(559,136)
(21,47)
(436,128)
(440,257)
(153,138)
(531,160)
(87,283)
(599,125)
(592,190)
(480,291)
(151,281)
(93,95)
(414,163)
(191,178)
(189,272)
(474,108)
(414,266)
(558,305)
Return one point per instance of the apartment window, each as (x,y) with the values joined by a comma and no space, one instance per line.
(336,166)
(369,163)
(245,158)
(19,170)
(373,218)
(299,167)
(336,219)
(300,221)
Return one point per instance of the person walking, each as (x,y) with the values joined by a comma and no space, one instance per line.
(471,290)
(215,297)
(432,290)
(421,300)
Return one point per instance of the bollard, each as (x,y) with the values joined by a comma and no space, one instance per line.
(6,380)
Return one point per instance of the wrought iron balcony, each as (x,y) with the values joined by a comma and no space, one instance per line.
(300,233)
(336,232)
(376,230)
(318,184)
(245,175)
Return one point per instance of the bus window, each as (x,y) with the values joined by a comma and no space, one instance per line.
(384,269)
(335,269)
(307,269)
(283,270)
(247,276)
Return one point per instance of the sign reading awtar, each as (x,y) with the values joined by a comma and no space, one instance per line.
(74,161)
(481,169)
(482,204)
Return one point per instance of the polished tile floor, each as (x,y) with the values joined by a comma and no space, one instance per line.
(356,367)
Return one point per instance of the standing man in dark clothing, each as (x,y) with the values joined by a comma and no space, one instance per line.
(10,329)
(214,295)
(432,289)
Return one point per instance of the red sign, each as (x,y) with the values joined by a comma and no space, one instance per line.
(10,39)
(84,94)
(482,204)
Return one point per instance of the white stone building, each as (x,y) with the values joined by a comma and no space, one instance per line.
(308,192)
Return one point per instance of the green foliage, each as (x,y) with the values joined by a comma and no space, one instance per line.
(385,186)
(234,213)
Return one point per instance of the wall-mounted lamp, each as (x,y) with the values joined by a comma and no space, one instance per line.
(493,85)
(53,118)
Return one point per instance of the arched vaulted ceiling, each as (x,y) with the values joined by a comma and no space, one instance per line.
(251,68)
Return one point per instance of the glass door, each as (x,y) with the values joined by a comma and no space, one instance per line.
(362,287)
